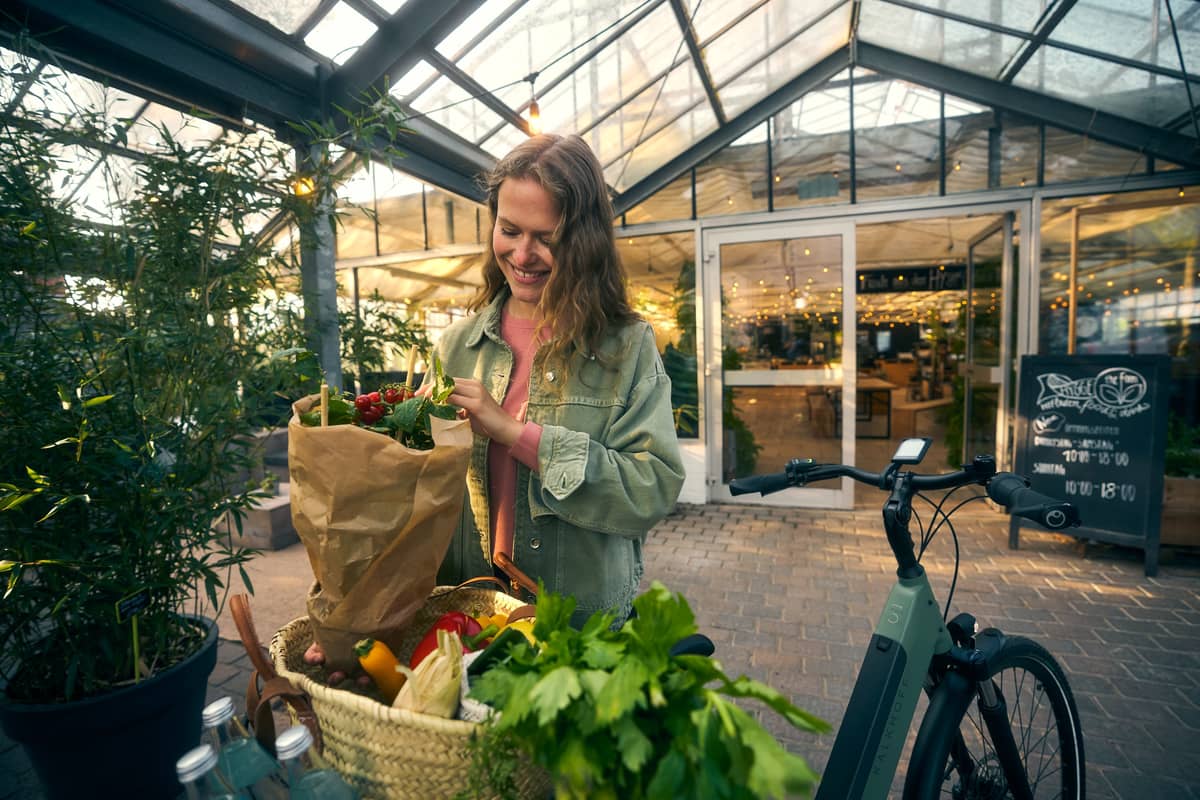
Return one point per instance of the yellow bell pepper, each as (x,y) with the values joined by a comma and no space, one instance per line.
(525,626)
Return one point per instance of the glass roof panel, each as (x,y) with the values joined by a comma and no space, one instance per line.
(449,105)
(410,81)
(1126,28)
(654,127)
(147,131)
(884,103)
(936,39)
(708,17)
(1020,14)
(99,195)
(340,33)
(789,53)
(481,19)
(620,70)
(287,15)
(1134,93)
(545,36)
(390,6)
(504,140)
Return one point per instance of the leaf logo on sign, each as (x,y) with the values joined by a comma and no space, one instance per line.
(1114,392)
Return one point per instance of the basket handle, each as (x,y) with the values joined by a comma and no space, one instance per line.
(258,701)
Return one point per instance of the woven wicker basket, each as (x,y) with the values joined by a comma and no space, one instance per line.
(395,754)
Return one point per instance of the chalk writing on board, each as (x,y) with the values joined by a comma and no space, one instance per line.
(1114,392)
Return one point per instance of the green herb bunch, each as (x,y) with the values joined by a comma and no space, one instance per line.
(612,714)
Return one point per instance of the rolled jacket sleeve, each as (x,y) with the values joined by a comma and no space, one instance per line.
(628,478)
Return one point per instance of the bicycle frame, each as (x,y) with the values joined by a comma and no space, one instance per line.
(909,634)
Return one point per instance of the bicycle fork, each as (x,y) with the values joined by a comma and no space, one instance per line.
(970,658)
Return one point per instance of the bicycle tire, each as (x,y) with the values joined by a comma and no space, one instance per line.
(1045,724)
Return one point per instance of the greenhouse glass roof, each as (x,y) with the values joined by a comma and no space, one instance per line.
(655,86)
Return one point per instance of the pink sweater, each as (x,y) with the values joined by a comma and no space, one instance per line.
(502,461)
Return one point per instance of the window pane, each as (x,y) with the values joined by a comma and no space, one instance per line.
(811,144)
(734,181)
(933,38)
(1137,278)
(453,219)
(662,287)
(1126,28)
(772,28)
(673,201)
(340,33)
(1072,157)
(1133,93)
(653,128)
(1020,14)
(401,218)
(287,15)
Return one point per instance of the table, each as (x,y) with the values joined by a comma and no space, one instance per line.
(867,389)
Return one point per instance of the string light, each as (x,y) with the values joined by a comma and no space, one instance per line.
(535,113)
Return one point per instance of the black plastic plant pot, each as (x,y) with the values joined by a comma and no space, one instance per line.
(121,744)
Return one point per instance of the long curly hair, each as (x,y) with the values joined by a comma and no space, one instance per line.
(586,291)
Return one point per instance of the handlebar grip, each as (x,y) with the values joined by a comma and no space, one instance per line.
(764,484)
(1013,492)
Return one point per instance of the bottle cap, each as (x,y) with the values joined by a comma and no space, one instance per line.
(195,762)
(217,712)
(293,742)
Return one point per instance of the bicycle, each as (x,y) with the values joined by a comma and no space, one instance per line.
(1021,737)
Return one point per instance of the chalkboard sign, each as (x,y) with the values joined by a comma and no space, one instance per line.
(1091,430)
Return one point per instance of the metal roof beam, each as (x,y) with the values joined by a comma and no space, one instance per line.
(476,90)
(395,47)
(777,100)
(266,81)
(1041,32)
(689,38)
(1120,131)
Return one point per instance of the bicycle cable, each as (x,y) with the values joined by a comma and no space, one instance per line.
(932,531)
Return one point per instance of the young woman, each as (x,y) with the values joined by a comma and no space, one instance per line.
(575,454)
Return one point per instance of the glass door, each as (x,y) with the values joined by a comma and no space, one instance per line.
(778,302)
(988,318)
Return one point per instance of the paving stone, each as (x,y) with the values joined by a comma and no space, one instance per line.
(791,596)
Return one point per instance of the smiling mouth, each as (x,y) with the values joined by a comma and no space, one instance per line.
(528,277)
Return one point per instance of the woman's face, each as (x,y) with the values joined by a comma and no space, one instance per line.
(526,218)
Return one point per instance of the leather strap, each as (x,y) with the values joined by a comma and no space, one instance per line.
(258,700)
(518,578)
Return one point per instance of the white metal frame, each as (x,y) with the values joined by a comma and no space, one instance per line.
(715,379)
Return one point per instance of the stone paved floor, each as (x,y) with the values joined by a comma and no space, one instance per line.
(791,597)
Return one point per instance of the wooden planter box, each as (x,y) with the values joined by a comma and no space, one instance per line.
(1181,512)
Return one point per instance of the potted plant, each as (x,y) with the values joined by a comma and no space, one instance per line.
(1181,499)
(129,389)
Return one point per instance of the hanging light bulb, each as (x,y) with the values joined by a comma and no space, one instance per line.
(535,113)
(535,118)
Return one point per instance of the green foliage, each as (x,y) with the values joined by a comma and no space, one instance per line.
(612,714)
(131,388)
(1183,448)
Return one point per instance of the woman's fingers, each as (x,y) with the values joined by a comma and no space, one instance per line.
(314,655)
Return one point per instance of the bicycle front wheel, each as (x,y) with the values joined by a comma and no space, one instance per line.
(955,755)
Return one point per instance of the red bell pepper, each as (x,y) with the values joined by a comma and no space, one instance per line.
(467,628)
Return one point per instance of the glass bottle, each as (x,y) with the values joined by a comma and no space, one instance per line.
(244,766)
(306,780)
(196,770)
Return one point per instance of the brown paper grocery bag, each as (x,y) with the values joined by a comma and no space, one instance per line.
(376,518)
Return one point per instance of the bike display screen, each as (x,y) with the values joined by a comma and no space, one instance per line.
(911,451)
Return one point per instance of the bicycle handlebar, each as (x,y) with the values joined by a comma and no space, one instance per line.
(1009,490)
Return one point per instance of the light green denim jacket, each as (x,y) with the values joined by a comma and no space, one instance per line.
(609,460)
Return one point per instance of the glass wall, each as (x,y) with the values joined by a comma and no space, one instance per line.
(1134,262)
(662,287)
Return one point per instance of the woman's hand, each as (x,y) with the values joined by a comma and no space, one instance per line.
(486,416)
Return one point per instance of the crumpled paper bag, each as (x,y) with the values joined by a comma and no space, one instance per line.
(376,519)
